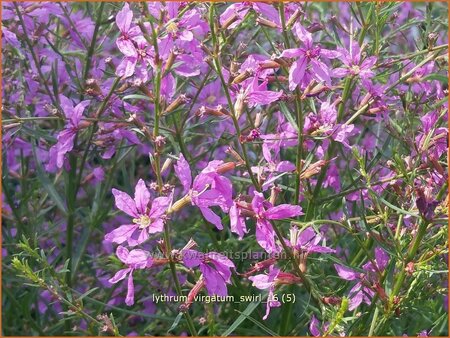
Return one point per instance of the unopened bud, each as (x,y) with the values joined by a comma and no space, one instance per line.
(258,119)
(110,63)
(235,155)
(180,100)
(294,18)
(313,169)
(170,61)
(167,164)
(274,192)
(365,100)
(239,105)
(234,67)
(180,204)
(269,64)
(219,111)
(314,27)
(225,167)
(283,62)
(243,76)
(92,88)
(192,294)
(229,21)
(409,269)
(267,23)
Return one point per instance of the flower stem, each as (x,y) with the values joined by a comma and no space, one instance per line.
(218,69)
(189,321)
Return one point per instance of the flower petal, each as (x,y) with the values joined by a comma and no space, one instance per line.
(125,203)
(141,197)
(283,211)
(346,273)
(121,274)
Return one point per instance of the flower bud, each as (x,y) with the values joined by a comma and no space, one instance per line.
(170,61)
(267,23)
(243,76)
(225,167)
(180,100)
(235,155)
(180,204)
(167,164)
(239,105)
(269,64)
(234,67)
(192,294)
(294,17)
(229,21)
(92,88)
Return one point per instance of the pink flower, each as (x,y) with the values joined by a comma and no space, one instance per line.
(216,269)
(270,281)
(208,189)
(146,219)
(353,65)
(134,259)
(307,241)
(307,56)
(265,212)
(315,329)
(362,291)
(127,33)
(66,137)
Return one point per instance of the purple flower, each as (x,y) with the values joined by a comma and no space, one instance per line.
(216,269)
(363,291)
(264,213)
(237,221)
(134,259)
(146,219)
(127,33)
(353,65)
(141,53)
(307,56)
(66,137)
(307,241)
(208,189)
(315,328)
(268,281)
(251,93)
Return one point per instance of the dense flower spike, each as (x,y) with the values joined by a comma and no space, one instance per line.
(293,154)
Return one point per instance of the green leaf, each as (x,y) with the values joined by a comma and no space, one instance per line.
(288,115)
(136,97)
(437,77)
(261,325)
(397,208)
(87,293)
(47,184)
(243,316)
(176,322)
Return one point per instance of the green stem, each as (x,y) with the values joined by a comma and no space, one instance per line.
(218,66)
(410,256)
(93,43)
(298,164)
(189,321)
(35,59)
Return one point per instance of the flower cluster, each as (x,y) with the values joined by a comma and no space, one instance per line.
(311,136)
